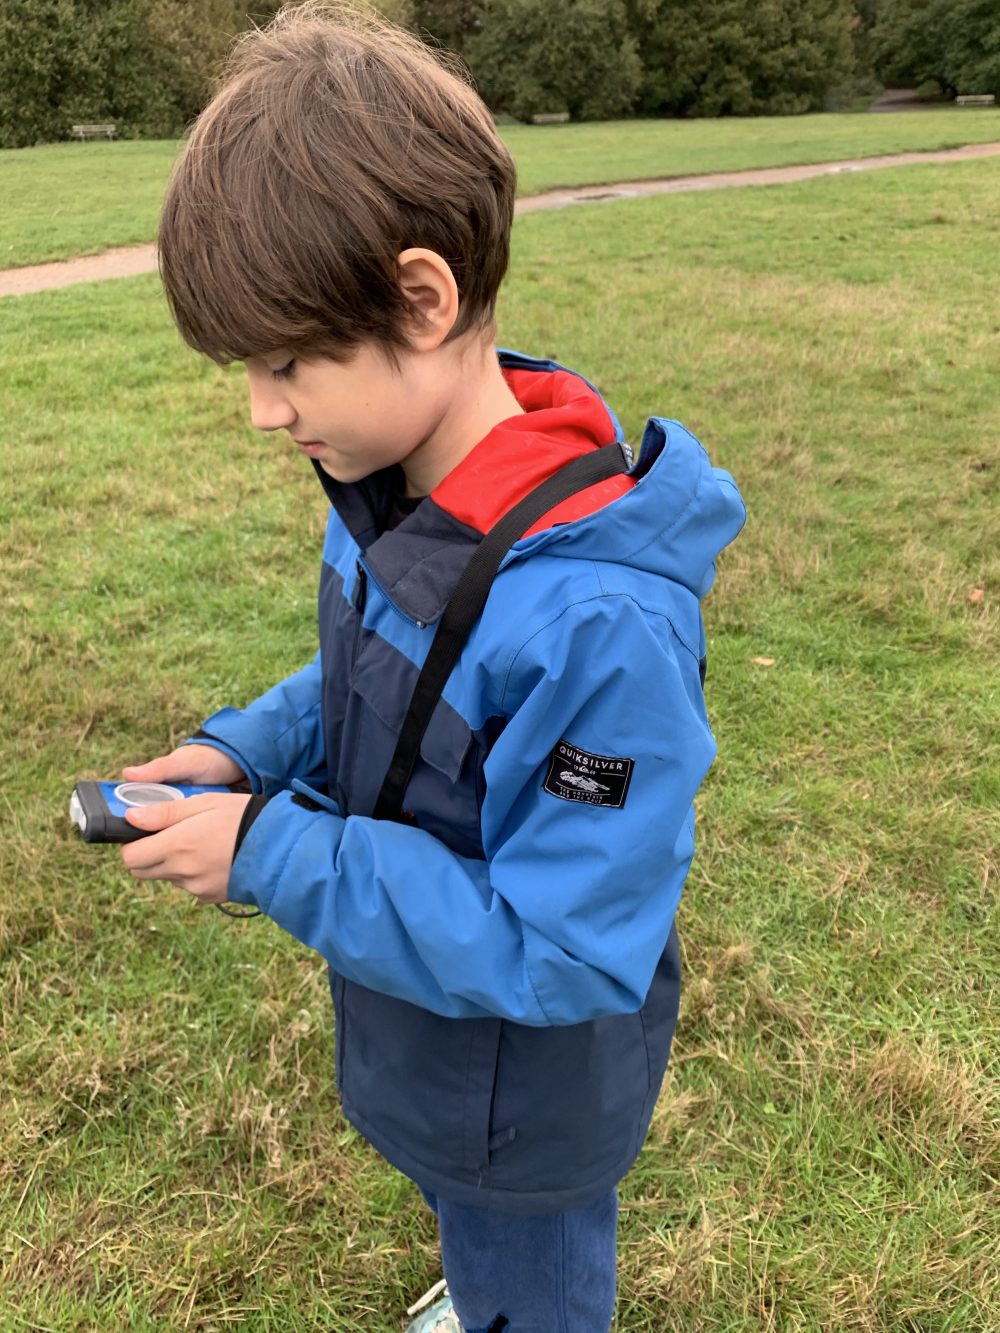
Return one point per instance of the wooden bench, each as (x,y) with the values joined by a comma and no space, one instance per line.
(82,132)
(550,118)
(976,99)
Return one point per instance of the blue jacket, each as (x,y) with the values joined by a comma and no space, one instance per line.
(504,965)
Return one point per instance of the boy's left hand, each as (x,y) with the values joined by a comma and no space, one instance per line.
(192,845)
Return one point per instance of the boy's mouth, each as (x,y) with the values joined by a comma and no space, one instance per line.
(311,447)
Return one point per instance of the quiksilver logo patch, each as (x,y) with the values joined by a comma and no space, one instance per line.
(594,779)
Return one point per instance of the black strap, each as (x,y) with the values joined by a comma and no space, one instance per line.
(466,604)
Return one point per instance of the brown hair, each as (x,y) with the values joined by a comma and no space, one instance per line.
(336,141)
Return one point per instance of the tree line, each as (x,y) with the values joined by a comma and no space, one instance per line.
(149,65)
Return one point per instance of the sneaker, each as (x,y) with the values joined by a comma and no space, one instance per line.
(437,1318)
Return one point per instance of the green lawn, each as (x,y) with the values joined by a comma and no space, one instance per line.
(71,199)
(825,1153)
(553,155)
(75,199)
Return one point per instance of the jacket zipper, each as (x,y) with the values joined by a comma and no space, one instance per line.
(359,598)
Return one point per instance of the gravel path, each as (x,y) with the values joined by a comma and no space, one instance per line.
(126,261)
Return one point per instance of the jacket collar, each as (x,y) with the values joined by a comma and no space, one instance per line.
(417,563)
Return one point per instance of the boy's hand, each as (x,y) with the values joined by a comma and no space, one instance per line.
(193,842)
(202,765)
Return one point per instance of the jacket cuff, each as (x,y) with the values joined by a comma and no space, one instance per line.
(272,830)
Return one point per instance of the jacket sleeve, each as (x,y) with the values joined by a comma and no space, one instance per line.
(276,738)
(566,918)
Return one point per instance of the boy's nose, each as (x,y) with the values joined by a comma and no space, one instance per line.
(269,408)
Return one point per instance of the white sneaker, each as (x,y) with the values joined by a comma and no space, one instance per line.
(437,1318)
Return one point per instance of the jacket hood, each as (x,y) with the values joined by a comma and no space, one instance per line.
(675,518)
(670,514)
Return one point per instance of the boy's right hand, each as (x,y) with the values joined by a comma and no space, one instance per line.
(201,765)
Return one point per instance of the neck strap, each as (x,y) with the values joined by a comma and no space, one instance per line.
(466,604)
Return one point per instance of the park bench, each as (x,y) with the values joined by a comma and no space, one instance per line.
(82,132)
(550,118)
(976,99)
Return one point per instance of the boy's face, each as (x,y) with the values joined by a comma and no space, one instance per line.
(353,417)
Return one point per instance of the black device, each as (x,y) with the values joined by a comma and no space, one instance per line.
(98,808)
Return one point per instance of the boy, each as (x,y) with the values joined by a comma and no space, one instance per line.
(502,954)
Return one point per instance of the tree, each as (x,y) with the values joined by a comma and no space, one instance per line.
(908,42)
(744,57)
(974,47)
(447,23)
(861,31)
(577,56)
(955,43)
(147,65)
(57,59)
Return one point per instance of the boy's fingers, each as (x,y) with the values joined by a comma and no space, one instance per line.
(166,813)
(188,763)
(179,766)
(148,857)
(198,856)
(144,870)
(151,772)
(143,856)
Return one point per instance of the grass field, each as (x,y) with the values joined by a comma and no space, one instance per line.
(75,199)
(826,1150)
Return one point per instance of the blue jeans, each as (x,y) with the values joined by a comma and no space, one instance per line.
(545,1274)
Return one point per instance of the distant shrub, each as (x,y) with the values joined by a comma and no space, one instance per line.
(150,65)
(144,64)
(954,43)
(577,56)
(744,57)
(448,23)
(147,65)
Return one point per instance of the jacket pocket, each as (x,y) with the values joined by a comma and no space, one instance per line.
(419,1082)
(575,1098)
(481,1140)
(339,1032)
(659,1019)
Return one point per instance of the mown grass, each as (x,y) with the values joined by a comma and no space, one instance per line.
(825,1152)
(554,155)
(71,199)
(68,199)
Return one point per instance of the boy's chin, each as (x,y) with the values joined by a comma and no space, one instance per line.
(342,472)
(331,470)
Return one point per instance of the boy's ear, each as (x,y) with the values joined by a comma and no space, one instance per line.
(427,282)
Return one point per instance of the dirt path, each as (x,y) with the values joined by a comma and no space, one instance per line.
(126,261)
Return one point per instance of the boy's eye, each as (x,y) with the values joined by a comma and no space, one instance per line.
(284,372)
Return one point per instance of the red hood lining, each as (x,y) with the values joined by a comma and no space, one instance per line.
(563,419)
